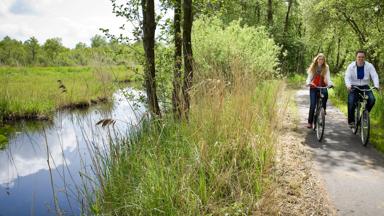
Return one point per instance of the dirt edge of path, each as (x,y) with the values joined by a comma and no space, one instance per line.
(296,188)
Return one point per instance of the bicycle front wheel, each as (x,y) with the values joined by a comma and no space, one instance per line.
(357,118)
(314,121)
(365,127)
(320,125)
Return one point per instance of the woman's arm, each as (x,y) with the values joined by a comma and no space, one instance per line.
(328,80)
(309,78)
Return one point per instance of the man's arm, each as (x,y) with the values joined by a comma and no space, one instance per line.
(374,76)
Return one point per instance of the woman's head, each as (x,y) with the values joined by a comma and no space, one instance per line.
(318,61)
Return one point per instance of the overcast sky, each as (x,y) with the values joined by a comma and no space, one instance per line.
(72,20)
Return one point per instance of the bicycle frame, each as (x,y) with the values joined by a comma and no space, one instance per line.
(362,118)
(319,115)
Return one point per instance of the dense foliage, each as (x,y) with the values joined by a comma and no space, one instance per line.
(53,53)
(339,27)
(220,47)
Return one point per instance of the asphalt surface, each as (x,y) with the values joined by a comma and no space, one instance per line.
(353,175)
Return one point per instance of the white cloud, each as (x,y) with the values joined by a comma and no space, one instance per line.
(72,20)
(25,157)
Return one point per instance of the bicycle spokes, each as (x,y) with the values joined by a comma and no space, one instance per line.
(357,119)
(320,124)
(365,127)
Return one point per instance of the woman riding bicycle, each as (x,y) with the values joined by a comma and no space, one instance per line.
(359,73)
(318,76)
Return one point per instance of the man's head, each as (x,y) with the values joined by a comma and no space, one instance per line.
(360,57)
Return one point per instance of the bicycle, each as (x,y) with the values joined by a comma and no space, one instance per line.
(361,114)
(319,115)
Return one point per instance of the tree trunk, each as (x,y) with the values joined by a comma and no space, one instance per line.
(188,57)
(286,24)
(176,93)
(339,60)
(338,54)
(270,14)
(257,12)
(359,33)
(149,28)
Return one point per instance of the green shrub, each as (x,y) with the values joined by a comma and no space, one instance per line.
(231,48)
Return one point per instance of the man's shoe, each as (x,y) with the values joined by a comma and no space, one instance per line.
(309,125)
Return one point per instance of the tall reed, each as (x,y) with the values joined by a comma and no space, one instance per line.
(216,163)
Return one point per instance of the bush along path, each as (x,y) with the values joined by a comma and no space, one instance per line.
(351,173)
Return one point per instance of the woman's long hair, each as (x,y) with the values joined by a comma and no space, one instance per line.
(313,67)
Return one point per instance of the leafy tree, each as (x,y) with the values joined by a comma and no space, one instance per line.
(98,41)
(188,56)
(141,14)
(345,26)
(52,48)
(12,52)
(149,28)
(80,45)
(177,104)
(33,48)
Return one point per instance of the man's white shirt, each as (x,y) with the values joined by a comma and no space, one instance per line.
(369,73)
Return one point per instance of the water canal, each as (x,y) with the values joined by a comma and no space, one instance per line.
(51,166)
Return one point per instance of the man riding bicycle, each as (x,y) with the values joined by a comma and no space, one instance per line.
(359,73)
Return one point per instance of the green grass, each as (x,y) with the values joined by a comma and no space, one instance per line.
(339,98)
(33,92)
(296,80)
(217,163)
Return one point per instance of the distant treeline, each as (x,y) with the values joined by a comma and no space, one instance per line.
(53,53)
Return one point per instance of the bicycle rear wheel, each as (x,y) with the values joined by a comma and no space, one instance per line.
(357,118)
(365,127)
(320,124)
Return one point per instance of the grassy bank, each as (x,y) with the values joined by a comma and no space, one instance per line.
(296,81)
(339,98)
(35,92)
(220,160)
(217,163)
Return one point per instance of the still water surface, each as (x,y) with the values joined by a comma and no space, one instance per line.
(44,160)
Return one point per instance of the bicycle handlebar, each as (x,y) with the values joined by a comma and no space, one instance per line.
(364,90)
(320,87)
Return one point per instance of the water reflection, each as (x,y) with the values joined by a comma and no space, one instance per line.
(64,144)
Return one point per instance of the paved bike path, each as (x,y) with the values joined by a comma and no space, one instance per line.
(353,175)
